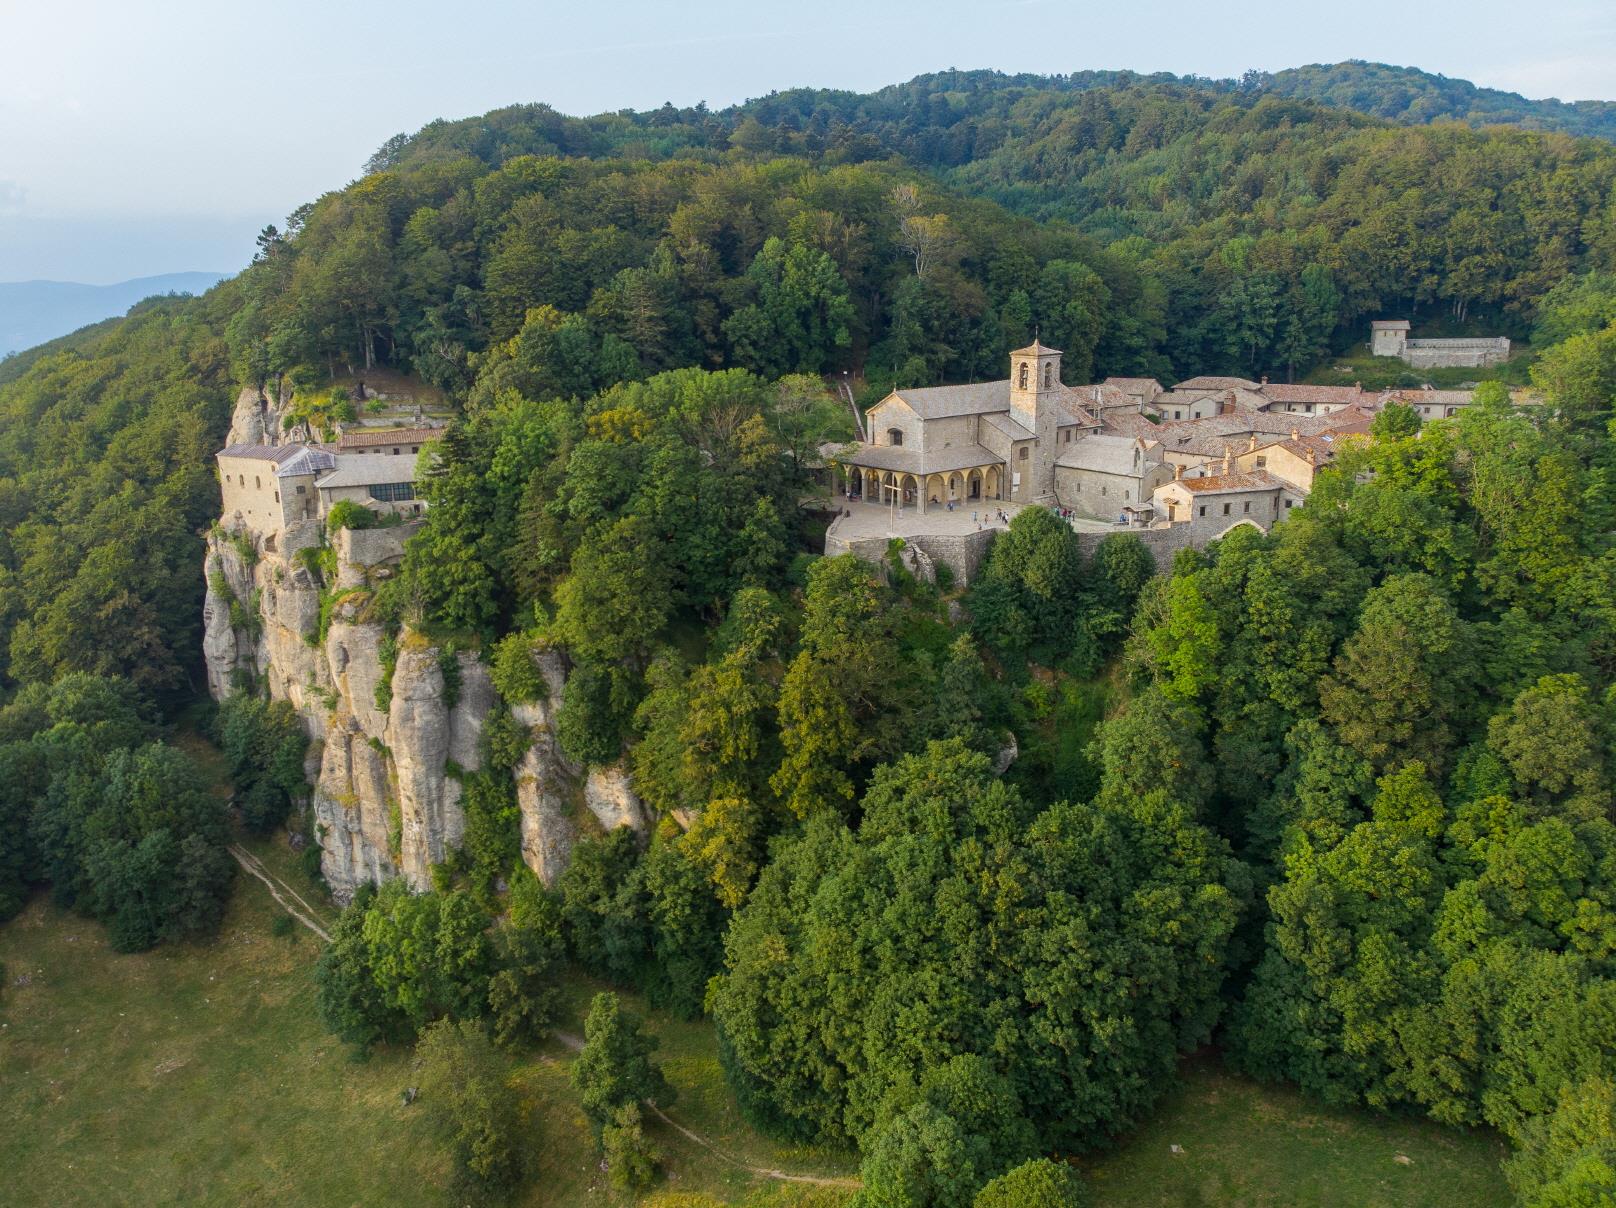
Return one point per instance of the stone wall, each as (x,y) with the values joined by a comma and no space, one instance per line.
(1456,354)
(962,553)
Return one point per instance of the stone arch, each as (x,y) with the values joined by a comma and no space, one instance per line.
(1244,521)
(992,483)
(910,486)
(955,486)
(973,484)
(936,489)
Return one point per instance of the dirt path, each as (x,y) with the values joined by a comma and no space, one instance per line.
(575,1043)
(280,891)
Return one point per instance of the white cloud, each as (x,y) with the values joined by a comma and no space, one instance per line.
(13,197)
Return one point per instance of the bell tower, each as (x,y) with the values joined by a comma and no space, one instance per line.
(1035,390)
(1034,382)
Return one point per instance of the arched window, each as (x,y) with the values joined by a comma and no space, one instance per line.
(894,436)
(1049,371)
(1021,377)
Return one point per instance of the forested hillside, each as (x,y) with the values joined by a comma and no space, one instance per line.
(959,875)
(1406,94)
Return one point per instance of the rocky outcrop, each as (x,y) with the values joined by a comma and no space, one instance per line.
(390,746)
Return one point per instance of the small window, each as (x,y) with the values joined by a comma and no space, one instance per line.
(1105,490)
(1021,376)
(1261,461)
(277,496)
(1023,453)
(1049,370)
(894,436)
(258,483)
(1247,508)
(1225,509)
(1203,509)
(1125,497)
(395,451)
(1176,415)
(1289,504)
(415,448)
(302,490)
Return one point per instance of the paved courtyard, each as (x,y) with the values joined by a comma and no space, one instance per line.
(873,520)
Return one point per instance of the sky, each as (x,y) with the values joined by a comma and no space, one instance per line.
(149,136)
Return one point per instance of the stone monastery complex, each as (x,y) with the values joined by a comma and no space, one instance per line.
(944,466)
(938,465)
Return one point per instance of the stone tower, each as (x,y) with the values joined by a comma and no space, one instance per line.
(1035,390)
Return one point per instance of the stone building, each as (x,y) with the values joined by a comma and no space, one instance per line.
(933,445)
(1103,474)
(379,481)
(396,442)
(265,488)
(1296,460)
(1215,503)
(1390,338)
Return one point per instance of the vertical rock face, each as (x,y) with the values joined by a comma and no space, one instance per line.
(385,804)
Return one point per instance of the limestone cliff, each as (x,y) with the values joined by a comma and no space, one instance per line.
(385,800)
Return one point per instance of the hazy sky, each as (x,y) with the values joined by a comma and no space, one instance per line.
(148,136)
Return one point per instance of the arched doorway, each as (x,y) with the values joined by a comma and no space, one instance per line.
(973,485)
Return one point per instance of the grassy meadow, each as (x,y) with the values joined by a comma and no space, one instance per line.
(199,1074)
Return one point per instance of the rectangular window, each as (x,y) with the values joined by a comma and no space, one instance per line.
(1023,454)
(395,452)
(1104,490)
(1289,504)
(1203,509)
(302,490)
(392,492)
(1247,508)
(1261,462)
(1225,509)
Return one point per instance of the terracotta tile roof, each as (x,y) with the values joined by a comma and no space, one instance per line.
(371,438)
(1286,392)
(1236,480)
(1208,382)
(1134,383)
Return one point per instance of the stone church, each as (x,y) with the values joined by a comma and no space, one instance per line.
(1021,439)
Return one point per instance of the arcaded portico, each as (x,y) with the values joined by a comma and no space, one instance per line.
(885,475)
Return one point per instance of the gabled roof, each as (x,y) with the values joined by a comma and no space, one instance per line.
(1238,480)
(372,438)
(366,469)
(1103,454)
(941,402)
(1075,413)
(1206,382)
(288,460)
(1286,392)
(1134,383)
(275,453)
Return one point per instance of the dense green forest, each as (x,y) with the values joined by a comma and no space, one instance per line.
(1336,798)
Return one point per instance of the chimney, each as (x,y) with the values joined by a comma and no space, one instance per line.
(1252,446)
(1178,471)
(1265,379)
(1226,458)
(1295,435)
(1312,457)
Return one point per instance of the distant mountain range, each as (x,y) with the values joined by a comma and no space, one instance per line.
(32,312)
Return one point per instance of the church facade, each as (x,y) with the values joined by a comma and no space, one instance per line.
(1004,440)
